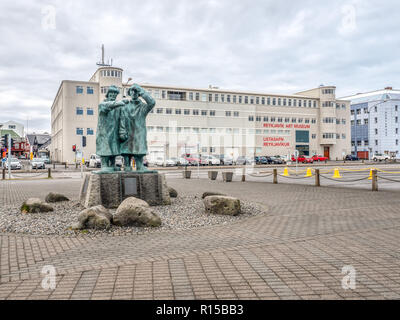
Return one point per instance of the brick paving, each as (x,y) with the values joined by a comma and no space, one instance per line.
(295,251)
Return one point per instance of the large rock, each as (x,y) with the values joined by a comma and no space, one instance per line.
(222,205)
(172,192)
(96,217)
(211,193)
(55,197)
(134,211)
(35,205)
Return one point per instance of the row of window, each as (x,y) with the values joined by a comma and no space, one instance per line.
(89,131)
(79,90)
(333,120)
(282,119)
(89,111)
(365,110)
(104,89)
(328,91)
(111,73)
(329,135)
(365,121)
(229,98)
(366,143)
(214,130)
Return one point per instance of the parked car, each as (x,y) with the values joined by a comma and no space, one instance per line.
(182,162)
(276,160)
(242,160)
(14,165)
(94,161)
(351,157)
(211,160)
(37,163)
(171,162)
(159,161)
(318,157)
(264,160)
(119,161)
(225,159)
(191,159)
(380,157)
(46,160)
(303,159)
(282,159)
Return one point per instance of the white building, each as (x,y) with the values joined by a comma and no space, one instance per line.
(375,123)
(18,128)
(208,121)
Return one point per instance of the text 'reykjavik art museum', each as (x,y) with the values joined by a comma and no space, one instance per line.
(207,121)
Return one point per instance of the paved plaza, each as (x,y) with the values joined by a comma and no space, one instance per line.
(296,250)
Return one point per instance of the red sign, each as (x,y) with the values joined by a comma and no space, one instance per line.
(275,142)
(287,125)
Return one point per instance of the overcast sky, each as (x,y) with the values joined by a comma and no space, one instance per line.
(268,46)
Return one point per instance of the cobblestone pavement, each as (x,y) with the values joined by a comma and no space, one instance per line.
(295,251)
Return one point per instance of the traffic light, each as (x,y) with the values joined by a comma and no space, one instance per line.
(74,148)
(12,143)
(4,141)
(83,141)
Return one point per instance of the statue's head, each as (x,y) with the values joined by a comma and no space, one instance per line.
(133,91)
(112,93)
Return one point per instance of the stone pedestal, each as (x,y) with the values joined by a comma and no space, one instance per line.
(110,189)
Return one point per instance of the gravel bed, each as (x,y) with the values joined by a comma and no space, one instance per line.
(185,212)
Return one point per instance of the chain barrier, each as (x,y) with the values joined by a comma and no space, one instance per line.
(354,180)
(259,176)
(294,177)
(392,180)
(23,176)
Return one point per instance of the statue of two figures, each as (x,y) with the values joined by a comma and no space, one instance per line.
(121,128)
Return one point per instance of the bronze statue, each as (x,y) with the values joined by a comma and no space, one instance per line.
(132,127)
(107,135)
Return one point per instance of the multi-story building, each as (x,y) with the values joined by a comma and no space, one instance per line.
(18,128)
(208,121)
(375,123)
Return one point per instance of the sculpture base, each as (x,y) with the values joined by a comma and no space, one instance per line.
(110,189)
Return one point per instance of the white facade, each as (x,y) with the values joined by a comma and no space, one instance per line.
(18,128)
(208,121)
(375,122)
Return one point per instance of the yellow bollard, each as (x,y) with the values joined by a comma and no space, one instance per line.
(286,172)
(336,174)
(309,173)
(370,174)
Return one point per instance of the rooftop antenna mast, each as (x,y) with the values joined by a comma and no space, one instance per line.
(102,63)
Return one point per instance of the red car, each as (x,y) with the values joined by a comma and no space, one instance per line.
(303,159)
(318,157)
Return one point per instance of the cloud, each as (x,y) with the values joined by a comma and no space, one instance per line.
(269,46)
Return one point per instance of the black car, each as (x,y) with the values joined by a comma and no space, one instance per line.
(351,157)
(263,160)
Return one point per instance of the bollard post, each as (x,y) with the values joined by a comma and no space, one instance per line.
(65,165)
(244,174)
(374,180)
(49,173)
(76,165)
(275,176)
(54,165)
(4,173)
(317,182)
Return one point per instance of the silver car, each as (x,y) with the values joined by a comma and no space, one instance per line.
(37,163)
(14,165)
